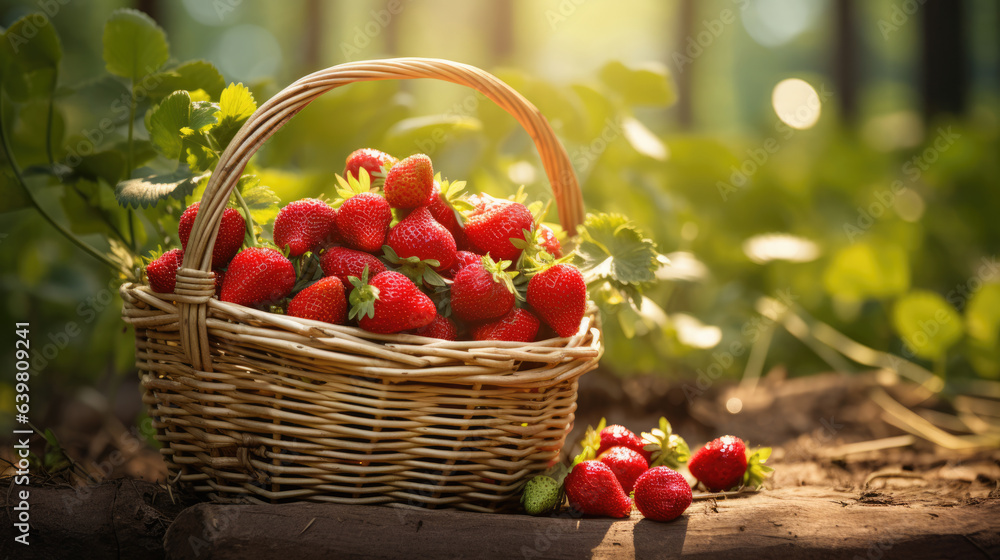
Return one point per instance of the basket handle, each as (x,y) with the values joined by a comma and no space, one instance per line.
(194,277)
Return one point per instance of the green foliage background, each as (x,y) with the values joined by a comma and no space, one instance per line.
(904,233)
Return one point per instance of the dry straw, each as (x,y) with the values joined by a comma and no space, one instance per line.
(269,408)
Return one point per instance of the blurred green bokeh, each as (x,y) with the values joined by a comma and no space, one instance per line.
(858,191)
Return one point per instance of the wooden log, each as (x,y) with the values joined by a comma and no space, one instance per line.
(794,522)
(116,519)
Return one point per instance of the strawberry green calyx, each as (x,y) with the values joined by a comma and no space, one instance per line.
(667,448)
(363,295)
(590,443)
(414,268)
(541,495)
(349,187)
(757,471)
(498,270)
(452,193)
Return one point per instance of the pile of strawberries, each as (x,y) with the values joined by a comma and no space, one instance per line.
(618,469)
(398,251)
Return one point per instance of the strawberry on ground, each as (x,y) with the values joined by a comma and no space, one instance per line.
(482,291)
(343,262)
(620,436)
(720,464)
(256,276)
(232,229)
(363,221)
(441,327)
(593,489)
(410,182)
(559,295)
(492,225)
(389,303)
(162,271)
(305,225)
(519,325)
(324,301)
(627,464)
(662,494)
(419,235)
(372,160)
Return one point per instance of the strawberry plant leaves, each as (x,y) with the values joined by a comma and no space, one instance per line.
(147,191)
(261,200)
(236,104)
(613,250)
(166,122)
(134,46)
(203,114)
(33,42)
(190,76)
(927,323)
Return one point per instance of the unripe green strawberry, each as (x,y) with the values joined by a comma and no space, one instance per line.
(410,183)
(541,495)
(324,301)
(373,161)
(256,276)
(162,272)
(232,229)
(559,295)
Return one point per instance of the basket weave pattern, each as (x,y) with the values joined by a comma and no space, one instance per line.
(265,407)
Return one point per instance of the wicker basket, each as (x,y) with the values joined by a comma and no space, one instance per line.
(269,408)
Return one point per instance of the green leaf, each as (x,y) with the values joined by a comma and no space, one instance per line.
(863,271)
(613,250)
(236,104)
(203,113)
(646,85)
(189,76)
(34,43)
(147,191)
(108,165)
(982,315)
(261,200)
(13,194)
(927,324)
(166,122)
(415,131)
(134,46)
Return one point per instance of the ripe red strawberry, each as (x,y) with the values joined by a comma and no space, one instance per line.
(372,160)
(662,494)
(363,221)
(463,259)
(627,464)
(220,275)
(410,183)
(232,229)
(256,276)
(343,262)
(324,300)
(441,327)
(492,225)
(593,489)
(162,272)
(519,325)
(305,225)
(559,295)
(547,240)
(444,211)
(482,291)
(720,464)
(390,303)
(620,436)
(419,235)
